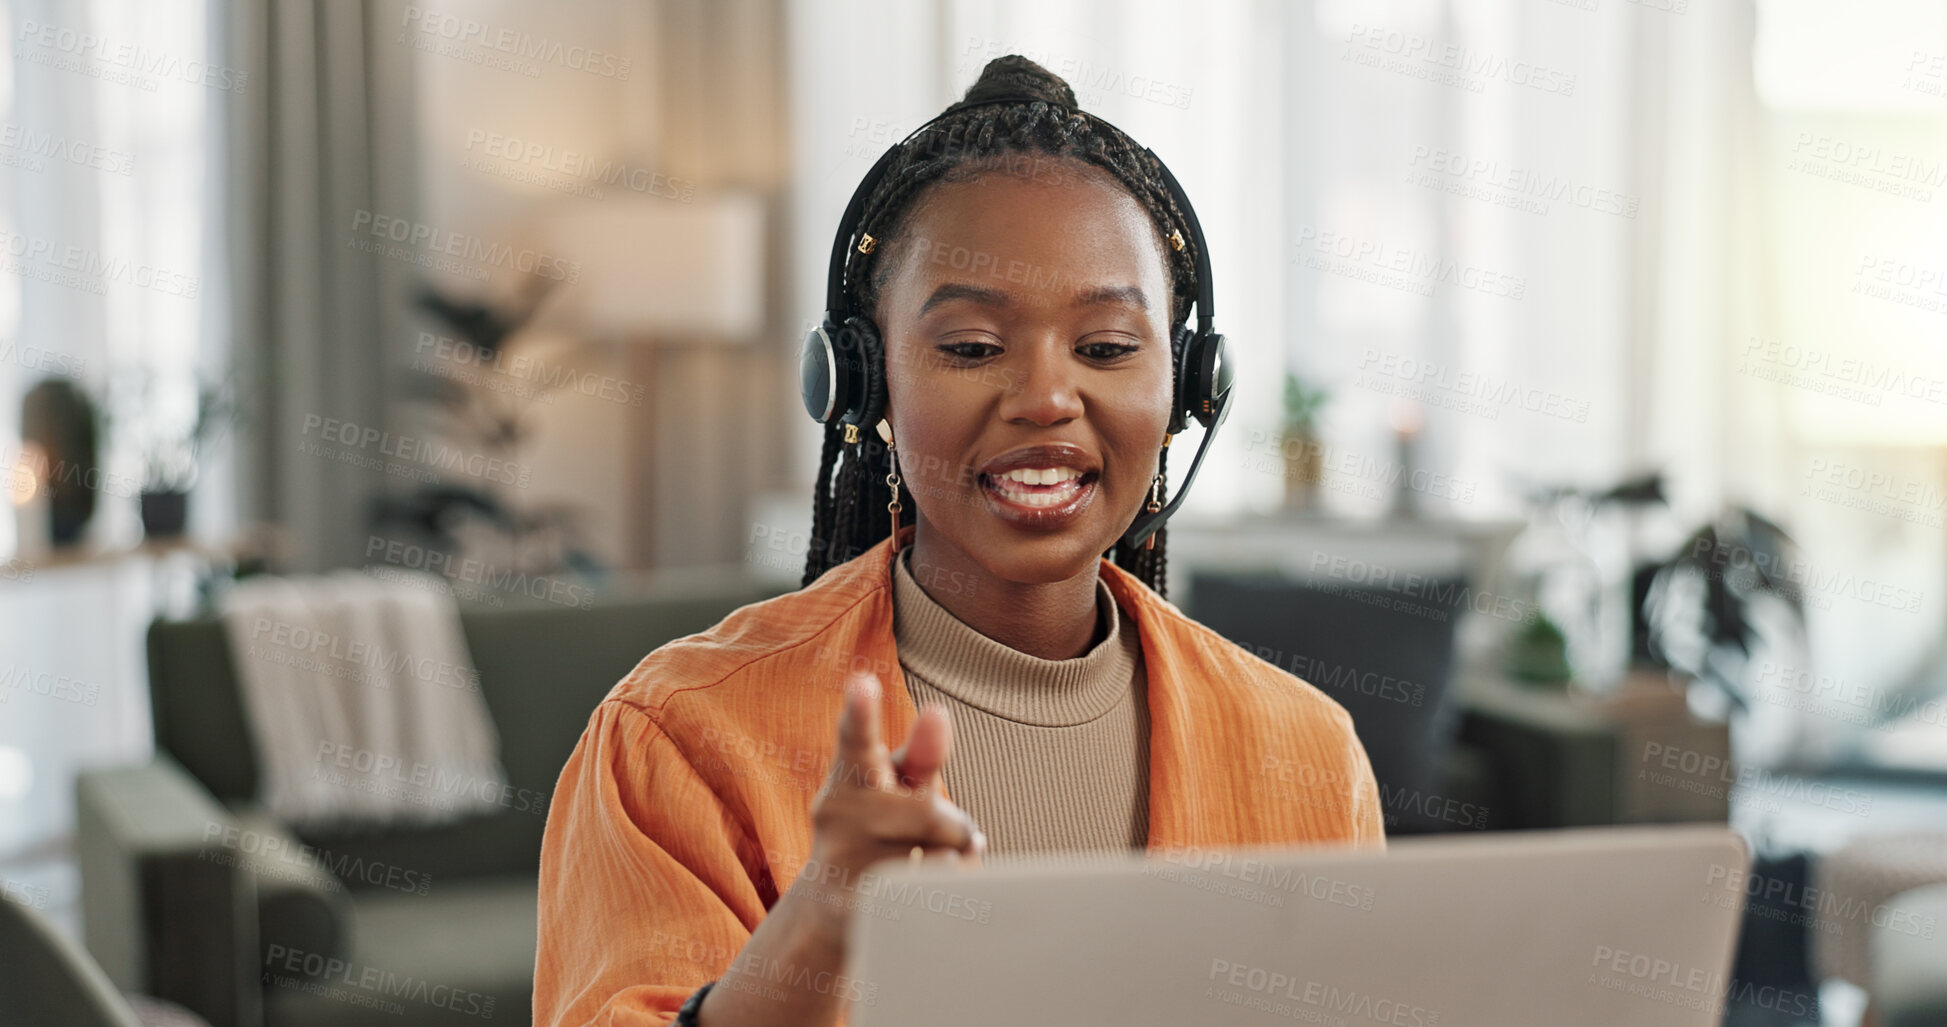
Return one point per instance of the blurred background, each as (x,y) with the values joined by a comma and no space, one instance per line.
(1590,439)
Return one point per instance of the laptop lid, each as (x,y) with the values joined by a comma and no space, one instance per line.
(1595,927)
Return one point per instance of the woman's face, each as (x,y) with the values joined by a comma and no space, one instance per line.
(1026,322)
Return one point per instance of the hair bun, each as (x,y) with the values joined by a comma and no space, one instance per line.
(1016,76)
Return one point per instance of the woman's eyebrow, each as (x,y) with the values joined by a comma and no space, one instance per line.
(1123,295)
(983,295)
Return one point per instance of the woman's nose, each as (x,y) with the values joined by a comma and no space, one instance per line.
(1045,390)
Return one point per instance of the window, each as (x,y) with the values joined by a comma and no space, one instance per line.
(108,117)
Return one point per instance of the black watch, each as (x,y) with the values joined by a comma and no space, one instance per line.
(686,1016)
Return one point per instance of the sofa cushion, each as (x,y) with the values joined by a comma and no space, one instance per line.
(461,954)
(1909,953)
(1866,874)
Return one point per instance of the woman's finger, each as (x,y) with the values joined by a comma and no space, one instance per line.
(919,761)
(860,759)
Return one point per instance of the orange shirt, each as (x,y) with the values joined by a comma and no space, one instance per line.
(682,814)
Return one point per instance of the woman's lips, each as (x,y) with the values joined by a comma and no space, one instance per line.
(1039,506)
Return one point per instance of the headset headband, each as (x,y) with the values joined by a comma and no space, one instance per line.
(849,226)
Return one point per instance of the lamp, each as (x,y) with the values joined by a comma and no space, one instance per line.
(25,483)
(644,268)
(653,273)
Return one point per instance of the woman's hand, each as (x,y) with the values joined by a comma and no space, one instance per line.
(877,805)
(874,805)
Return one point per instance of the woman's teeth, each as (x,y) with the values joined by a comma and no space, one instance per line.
(1039,487)
(1042,475)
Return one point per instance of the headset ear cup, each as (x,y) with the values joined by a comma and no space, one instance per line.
(820,383)
(1202,378)
(1213,377)
(868,366)
(1180,400)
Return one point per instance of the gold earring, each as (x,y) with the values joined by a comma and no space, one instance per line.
(892,480)
(1155,505)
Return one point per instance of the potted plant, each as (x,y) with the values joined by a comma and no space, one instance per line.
(1304,457)
(1705,605)
(457,516)
(170,444)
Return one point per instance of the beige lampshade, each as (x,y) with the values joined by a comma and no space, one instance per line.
(651,268)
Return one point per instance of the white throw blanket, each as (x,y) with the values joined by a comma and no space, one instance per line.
(363,703)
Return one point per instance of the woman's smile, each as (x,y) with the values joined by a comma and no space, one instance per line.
(1041,488)
(1053,501)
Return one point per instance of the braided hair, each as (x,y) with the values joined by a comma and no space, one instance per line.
(850,495)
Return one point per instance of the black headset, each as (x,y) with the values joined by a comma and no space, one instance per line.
(841,371)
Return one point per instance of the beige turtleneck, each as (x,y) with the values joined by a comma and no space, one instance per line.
(1049,756)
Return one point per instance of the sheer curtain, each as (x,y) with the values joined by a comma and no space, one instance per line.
(108,163)
(108,130)
(1850,120)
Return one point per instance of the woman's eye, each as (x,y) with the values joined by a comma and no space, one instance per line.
(969,350)
(1106,350)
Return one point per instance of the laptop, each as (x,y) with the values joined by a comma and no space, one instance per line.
(1600,927)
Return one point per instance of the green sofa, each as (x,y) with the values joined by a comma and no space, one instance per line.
(190,893)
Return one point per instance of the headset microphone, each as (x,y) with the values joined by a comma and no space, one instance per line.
(1147,524)
(842,378)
